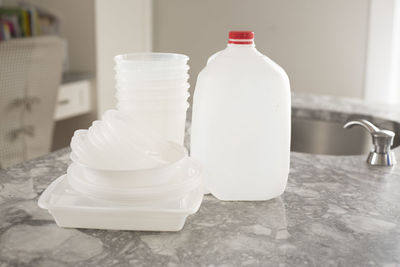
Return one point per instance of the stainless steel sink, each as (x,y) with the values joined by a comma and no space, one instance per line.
(318,136)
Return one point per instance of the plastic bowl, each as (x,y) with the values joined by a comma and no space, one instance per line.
(131,177)
(162,187)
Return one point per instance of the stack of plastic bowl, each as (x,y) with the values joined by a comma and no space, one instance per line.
(138,180)
(153,89)
(130,170)
(114,160)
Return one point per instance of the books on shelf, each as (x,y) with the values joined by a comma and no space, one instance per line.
(26,21)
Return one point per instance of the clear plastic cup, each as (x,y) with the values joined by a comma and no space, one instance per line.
(155,85)
(154,71)
(150,78)
(154,103)
(147,107)
(150,75)
(160,93)
(152,85)
(143,98)
(166,122)
(150,65)
(150,60)
(148,95)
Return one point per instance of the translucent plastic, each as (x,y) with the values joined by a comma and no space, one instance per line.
(131,77)
(121,141)
(130,169)
(168,123)
(164,88)
(156,94)
(241,125)
(149,100)
(131,105)
(153,89)
(150,60)
(72,209)
(128,178)
(153,85)
(132,187)
(147,72)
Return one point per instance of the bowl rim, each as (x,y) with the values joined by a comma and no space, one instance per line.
(182,149)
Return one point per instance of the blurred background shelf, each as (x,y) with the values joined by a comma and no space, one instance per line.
(76,76)
(93,32)
(74,96)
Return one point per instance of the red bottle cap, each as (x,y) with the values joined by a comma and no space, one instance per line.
(241,37)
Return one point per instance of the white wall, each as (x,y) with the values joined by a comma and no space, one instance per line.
(122,26)
(320,43)
(382,81)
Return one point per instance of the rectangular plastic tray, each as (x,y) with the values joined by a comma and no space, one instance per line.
(74,210)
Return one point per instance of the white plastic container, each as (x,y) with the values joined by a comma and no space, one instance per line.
(149,105)
(153,88)
(72,209)
(162,86)
(153,84)
(131,78)
(119,147)
(154,69)
(138,191)
(168,123)
(171,100)
(150,60)
(241,123)
(125,178)
(113,177)
(156,95)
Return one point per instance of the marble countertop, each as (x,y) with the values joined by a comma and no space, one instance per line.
(336,211)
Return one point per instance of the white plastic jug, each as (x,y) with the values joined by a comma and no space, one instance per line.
(241,123)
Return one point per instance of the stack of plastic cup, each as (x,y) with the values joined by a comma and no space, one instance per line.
(153,89)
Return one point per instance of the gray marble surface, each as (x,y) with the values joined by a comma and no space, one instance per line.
(336,211)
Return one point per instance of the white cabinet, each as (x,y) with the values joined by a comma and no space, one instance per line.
(73,99)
